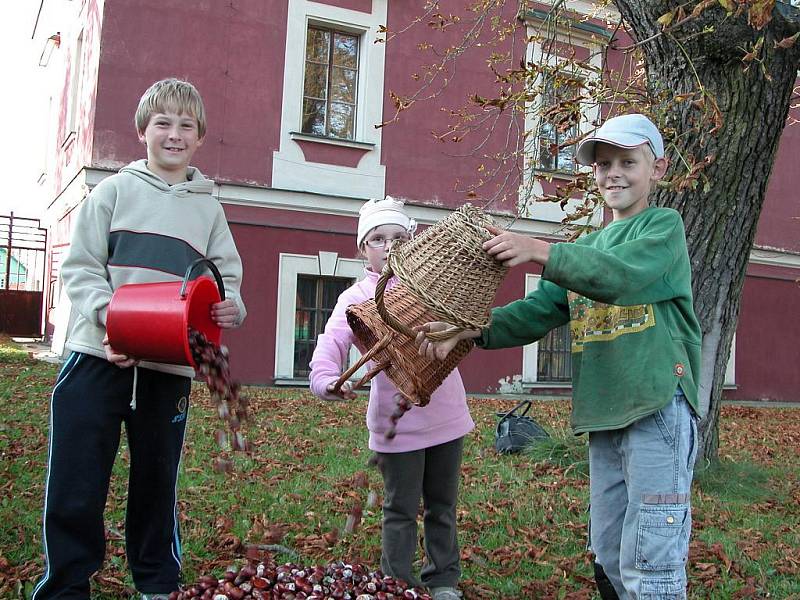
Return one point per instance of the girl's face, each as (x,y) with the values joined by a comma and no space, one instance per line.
(375,246)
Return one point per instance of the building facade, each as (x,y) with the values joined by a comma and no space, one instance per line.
(293,91)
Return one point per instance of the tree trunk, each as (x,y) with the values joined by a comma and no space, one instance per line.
(720,220)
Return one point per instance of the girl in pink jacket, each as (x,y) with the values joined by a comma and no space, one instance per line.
(423,460)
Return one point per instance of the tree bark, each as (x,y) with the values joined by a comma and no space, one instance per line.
(720,220)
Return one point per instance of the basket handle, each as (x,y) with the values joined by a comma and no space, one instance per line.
(380,288)
(214,271)
(380,345)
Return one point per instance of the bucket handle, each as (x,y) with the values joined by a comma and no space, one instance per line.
(388,318)
(214,271)
(380,345)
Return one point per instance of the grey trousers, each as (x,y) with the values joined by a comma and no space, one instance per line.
(641,516)
(431,474)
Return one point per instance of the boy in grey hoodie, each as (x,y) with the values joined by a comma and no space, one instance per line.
(147,223)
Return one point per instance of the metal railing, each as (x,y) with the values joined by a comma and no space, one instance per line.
(23,253)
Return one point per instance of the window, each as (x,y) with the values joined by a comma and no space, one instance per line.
(548,361)
(561,113)
(76,75)
(331,82)
(316,298)
(555,356)
(309,157)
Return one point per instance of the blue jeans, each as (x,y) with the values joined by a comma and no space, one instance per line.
(640,514)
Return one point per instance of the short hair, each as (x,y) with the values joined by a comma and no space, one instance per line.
(171,94)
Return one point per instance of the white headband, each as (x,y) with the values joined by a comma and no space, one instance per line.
(388,211)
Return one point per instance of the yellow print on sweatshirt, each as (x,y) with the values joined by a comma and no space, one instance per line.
(592,321)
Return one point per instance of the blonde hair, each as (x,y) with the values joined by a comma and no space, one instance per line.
(171,95)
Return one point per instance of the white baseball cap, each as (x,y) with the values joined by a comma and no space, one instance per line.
(625,131)
(388,211)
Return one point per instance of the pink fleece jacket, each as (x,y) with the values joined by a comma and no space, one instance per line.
(444,419)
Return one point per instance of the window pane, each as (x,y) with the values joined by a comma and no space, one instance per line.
(314,116)
(302,325)
(331,289)
(316,81)
(342,120)
(318,44)
(310,316)
(562,127)
(566,154)
(555,357)
(303,351)
(306,293)
(547,140)
(345,50)
(343,85)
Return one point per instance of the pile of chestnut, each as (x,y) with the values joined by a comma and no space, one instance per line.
(270,581)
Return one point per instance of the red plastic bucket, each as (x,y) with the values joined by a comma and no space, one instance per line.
(150,321)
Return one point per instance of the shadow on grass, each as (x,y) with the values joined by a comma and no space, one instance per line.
(744,482)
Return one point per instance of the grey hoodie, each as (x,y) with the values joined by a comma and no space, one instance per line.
(135,228)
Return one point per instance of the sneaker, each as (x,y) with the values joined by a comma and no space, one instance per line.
(155,597)
(445,593)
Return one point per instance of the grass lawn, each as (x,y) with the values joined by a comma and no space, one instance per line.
(522,519)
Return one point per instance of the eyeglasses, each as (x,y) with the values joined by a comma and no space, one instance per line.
(380,242)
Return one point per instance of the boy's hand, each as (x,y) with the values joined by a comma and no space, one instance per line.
(123,361)
(513,249)
(225,314)
(440,350)
(345,392)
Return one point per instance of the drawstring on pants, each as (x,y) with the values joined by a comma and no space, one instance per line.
(133,394)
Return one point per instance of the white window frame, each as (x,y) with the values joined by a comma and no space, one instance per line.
(290,169)
(730,367)
(75,85)
(551,211)
(299,133)
(327,264)
(588,8)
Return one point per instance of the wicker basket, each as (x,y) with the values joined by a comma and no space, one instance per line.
(447,268)
(415,376)
(444,275)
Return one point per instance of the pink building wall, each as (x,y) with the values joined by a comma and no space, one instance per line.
(75,144)
(233,54)
(236,59)
(420,166)
(779,224)
(766,338)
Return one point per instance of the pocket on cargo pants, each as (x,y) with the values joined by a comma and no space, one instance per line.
(662,543)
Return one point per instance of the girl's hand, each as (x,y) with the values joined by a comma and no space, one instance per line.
(225,314)
(345,392)
(123,361)
(440,350)
(513,249)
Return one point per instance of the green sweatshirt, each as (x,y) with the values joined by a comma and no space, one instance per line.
(626,292)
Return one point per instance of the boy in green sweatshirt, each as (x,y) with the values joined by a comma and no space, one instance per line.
(626,292)
(147,223)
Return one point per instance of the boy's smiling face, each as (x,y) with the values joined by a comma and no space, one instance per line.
(171,140)
(625,176)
